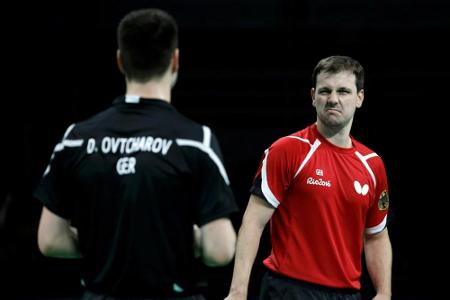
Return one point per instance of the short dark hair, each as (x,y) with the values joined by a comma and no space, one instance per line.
(146,39)
(335,64)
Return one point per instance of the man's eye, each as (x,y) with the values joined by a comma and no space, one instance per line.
(345,92)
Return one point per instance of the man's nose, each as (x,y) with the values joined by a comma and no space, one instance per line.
(333,97)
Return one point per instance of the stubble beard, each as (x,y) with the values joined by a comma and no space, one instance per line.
(332,122)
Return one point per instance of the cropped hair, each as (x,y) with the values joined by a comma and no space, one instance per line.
(336,64)
(147,39)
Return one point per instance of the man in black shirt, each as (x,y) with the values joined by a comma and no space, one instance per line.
(132,189)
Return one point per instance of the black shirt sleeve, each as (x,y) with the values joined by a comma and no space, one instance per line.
(255,189)
(216,198)
(55,189)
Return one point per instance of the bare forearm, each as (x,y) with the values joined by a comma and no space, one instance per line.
(378,252)
(256,216)
(63,246)
(217,241)
(247,248)
(56,238)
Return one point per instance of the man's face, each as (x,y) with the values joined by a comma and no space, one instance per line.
(336,99)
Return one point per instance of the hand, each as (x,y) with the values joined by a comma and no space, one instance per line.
(197,241)
(229,297)
(236,296)
(382,297)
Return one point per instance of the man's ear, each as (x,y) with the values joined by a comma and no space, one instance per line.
(175,60)
(119,61)
(360,99)
(313,92)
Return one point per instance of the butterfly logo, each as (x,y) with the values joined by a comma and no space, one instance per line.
(362,190)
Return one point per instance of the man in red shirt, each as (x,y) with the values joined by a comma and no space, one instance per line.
(326,196)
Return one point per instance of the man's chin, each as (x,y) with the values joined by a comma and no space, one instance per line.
(334,123)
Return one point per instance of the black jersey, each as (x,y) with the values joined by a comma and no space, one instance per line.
(133,180)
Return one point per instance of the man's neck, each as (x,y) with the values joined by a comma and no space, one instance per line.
(151,89)
(337,136)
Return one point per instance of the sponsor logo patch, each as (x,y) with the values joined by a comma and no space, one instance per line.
(383,202)
(319,181)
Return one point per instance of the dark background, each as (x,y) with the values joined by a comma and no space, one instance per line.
(245,72)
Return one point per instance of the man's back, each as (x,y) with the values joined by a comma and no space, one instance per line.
(136,177)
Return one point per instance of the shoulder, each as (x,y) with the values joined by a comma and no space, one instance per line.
(187,128)
(92,124)
(299,141)
(372,158)
(288,152)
